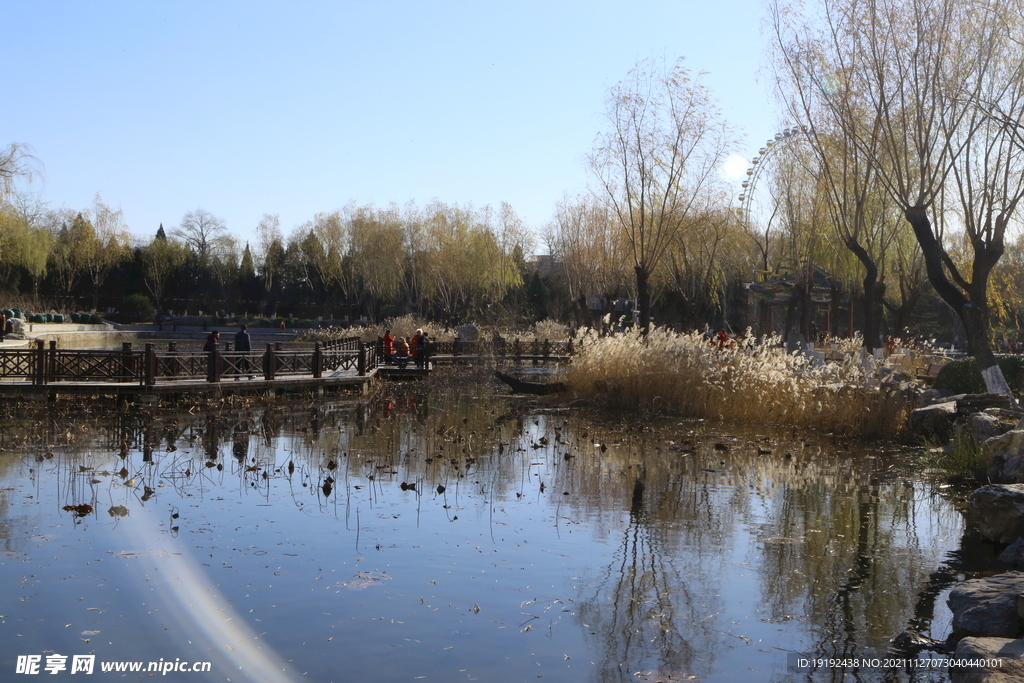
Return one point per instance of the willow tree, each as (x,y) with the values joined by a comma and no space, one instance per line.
(161,259)
(106,247)
(15,162)
(930,91)
(658,161)
(377,253)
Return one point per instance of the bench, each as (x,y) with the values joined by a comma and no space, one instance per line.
(930,373)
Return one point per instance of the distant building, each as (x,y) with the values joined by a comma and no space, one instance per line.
(769,298)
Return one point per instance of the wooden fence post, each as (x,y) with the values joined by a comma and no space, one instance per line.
(51,363)
(268,363)
(149,363)
(213,365)
(318,361)
(126,362)
(40,369)
(361,363)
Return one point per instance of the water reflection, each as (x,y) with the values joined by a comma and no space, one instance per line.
(457,534)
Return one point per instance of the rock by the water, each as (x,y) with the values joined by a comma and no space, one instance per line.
(911,642)
(999,509)
(1013,554)
(935,420)
(993,422)
(1009,652)
(1007,457)
(987,606)
(985,426)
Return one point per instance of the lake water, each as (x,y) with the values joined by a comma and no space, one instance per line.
(450,534)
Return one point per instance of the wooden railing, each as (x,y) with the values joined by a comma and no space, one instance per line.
(43,365)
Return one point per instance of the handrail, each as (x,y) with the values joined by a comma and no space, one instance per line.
(43,365)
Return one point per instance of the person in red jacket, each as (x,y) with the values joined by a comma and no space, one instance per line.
(389,347)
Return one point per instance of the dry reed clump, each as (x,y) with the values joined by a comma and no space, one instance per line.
(406,326)
(753,382)
(545,330)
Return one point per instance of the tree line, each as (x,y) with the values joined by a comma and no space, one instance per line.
(898,170)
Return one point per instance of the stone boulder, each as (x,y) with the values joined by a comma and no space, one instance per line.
(993,422)
(987,606)
(934,421)
(1006,453)
(1013,554)
(1009,653)
(999,510)
(931,396)
(975,403)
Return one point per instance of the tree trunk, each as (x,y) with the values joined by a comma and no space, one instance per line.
(973,311)
(872,337)
(643,297)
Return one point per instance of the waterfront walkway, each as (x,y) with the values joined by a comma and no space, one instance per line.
(37,368)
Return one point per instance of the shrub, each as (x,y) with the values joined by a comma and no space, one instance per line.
(962,376)
(136,308)
(94,319)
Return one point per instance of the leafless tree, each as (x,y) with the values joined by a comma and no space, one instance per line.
(202,231)
(926,91)
(658,161)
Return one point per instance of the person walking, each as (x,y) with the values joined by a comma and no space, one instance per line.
(243,344)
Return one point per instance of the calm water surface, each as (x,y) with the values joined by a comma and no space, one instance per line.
(451,535)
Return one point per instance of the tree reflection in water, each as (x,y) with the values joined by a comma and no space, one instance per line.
(712,549)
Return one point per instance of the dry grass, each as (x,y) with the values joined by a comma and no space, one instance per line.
(680,374)
(546,329)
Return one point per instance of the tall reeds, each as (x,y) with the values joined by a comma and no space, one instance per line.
(750,381)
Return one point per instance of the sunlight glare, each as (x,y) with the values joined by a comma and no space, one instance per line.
(734,167)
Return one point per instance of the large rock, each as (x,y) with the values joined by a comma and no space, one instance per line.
(1008,652)
(975,403)
(993,422)
(934,421)
(1007,457)
(987,606)
(932,396)
(999,509)
(1013,554)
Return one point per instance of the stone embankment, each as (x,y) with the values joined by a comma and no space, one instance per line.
(988,612)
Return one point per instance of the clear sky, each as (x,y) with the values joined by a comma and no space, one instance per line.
(246,108)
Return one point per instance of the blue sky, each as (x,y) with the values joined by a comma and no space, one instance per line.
(246,108)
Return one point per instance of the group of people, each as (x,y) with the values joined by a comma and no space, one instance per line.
(400,350)
(243,343)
